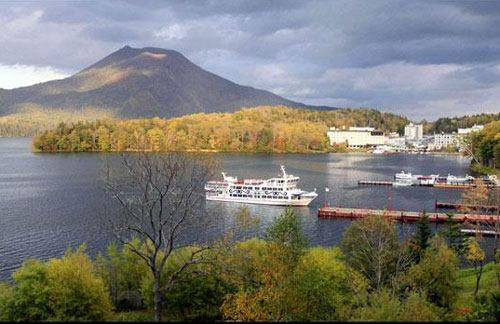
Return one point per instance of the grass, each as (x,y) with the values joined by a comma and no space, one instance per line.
(482,169)
(467,282)
(134,316)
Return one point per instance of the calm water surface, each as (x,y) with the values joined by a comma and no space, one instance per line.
(51,201)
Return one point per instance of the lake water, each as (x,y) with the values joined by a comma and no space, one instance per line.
(51,201)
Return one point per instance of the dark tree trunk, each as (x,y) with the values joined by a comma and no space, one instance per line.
(478,278)
(495,258)
(158,296)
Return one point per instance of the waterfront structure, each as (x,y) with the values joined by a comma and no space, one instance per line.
(444,140)
(414,131)
(402,215)
(280,191)
(396,141)
(356,137)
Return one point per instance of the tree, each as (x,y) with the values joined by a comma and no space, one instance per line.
(422,235)
(123,272)
(59,290)
(475,256)
(286,239)
(480,199)
(436,274)
(262,295)
(372,247)
(486,307)
(320,288)
(454,236)
(160,198)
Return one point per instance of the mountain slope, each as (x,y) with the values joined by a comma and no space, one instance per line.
(143,82)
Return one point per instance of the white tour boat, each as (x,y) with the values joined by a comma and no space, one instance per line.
(403,176)
(279,191)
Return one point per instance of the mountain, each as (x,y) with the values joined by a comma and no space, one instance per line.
(145,82)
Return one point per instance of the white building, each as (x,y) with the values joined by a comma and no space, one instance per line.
(357,136)
(396,140)
(462,132)
(414,132)
(475,128)
(444,140)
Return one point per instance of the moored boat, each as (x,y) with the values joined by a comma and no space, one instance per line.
(278,191)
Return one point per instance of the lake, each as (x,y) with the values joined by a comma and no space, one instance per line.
(51,201)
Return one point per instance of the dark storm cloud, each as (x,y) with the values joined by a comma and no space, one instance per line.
(425,58)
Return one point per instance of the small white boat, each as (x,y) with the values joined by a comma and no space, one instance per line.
(403,176)
(429,180)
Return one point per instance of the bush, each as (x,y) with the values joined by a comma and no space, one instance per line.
(486,307)
(59,290)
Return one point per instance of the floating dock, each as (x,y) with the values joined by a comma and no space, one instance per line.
(402,215)
(478,232)
(450,205)
(394,183)
(375,183)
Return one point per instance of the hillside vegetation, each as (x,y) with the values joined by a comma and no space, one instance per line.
(34,119)
(260,129)
(277,278)
(449,125)
(485,148)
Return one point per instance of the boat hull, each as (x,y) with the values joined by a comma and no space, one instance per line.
(270,202)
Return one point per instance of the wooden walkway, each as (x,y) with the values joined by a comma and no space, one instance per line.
(402,215)
(451,205)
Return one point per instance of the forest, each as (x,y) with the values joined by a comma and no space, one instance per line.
(34,119)
(450,125)
(261,129)
(484,148)
(371,276)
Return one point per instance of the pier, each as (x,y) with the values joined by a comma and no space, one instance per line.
(402,215)
(420,184)
(450,205)
(474,232)
(375,183)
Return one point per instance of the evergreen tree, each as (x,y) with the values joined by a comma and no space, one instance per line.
(456,239)
(421,236)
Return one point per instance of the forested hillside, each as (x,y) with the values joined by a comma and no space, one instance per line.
(34,119)
(449,125)
(485,148)
(260,129)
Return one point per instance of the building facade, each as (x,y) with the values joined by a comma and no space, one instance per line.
(414,131)
(444,140)
(357,137)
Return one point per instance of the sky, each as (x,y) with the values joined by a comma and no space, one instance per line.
(422,59)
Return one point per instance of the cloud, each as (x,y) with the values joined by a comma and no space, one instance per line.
(18,75)
(403,56)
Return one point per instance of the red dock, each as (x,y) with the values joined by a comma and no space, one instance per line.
(401,215)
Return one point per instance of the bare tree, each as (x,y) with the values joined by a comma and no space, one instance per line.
(468,146)
(160,196)
(493,224)
(483,200)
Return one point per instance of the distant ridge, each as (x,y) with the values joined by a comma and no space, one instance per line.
(146,82)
